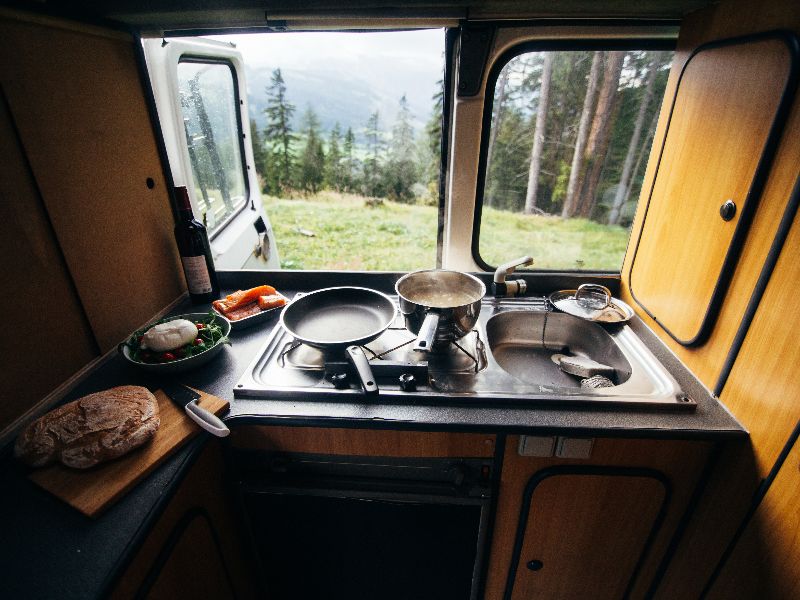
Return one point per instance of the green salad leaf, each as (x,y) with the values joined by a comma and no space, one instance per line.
(209,334)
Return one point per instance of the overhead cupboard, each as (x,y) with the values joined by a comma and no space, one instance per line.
(724,123)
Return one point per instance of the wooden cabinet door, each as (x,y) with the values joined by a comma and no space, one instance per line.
(724,123)
(584,531)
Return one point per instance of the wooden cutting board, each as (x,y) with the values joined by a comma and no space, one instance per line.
(94,490)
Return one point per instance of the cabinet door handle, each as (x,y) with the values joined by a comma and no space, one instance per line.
(534,565)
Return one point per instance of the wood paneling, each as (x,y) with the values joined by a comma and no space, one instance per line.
(581,525)
(180,576)
(362,442)
(726,95)
(729,19)
(78,102)
(762,390)
(202,487)
(764,563)
(680,461)
(50,339)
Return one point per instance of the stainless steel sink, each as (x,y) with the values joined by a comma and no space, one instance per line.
(524,344)
(521,341)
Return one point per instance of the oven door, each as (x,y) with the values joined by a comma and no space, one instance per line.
(368,528)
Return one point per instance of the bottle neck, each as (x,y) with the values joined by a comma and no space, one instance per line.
(183,204)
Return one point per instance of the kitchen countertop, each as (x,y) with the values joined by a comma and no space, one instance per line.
(53,551)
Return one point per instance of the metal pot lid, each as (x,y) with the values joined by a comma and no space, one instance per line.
(574,303)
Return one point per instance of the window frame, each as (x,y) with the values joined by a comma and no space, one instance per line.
(189,57)
(540,45)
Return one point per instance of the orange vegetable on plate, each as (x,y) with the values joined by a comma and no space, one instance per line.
(243,312)
(242,298)
(271,301)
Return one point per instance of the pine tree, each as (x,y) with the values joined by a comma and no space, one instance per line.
(311,169)
(434,132)
(371,185)
(278,134)
(334,169)
(539,133)
(401,169)
(350,162)
(259,155)
(576,171)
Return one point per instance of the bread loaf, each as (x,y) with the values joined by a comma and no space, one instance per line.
(93,429)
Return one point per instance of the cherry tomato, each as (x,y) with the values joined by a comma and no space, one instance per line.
(146,356)
(199,342)
(200,325)
(167,356)
(139,339)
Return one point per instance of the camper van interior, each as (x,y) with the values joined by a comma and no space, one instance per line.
(444,299)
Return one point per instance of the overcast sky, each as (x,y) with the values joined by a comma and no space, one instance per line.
(391,63)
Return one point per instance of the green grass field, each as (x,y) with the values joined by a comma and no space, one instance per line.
(350,235)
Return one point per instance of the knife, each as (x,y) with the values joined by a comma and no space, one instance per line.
(187,399)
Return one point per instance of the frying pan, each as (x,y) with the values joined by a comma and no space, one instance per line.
(341,319)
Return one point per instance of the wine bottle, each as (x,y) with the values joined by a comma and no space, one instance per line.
(195,251)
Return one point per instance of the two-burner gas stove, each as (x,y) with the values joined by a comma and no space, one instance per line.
(463,372)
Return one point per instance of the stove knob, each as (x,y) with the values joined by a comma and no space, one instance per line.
(408,383)
(340,381)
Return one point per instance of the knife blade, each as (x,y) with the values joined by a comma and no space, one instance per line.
(187,399)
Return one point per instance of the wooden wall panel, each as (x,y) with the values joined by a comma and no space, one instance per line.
(202,487)
(764,563)
(762,389)
(78,102)
(362,442)
(730,19)
(681,461)
(46,338)
(726,95)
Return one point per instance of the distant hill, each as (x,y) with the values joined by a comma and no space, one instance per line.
(346,97)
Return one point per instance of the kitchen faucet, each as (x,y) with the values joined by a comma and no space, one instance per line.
(515,287)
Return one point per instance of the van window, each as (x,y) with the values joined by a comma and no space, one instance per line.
(569,135)
(209,100)
(346,130)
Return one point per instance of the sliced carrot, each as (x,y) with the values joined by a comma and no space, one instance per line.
(248,310)
(242,297)
(271,301)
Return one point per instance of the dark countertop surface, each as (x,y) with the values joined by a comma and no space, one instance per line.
(50,550)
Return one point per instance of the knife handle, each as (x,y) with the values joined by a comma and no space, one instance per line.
(208,421)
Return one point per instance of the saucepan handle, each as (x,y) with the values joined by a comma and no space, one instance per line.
(360,363)
(427,332)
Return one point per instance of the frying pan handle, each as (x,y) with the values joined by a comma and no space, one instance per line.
(427,332)
(360,363)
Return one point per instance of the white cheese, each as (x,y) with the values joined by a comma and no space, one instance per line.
(169,335)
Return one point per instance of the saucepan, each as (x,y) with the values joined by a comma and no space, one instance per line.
(439,306)
(341,319)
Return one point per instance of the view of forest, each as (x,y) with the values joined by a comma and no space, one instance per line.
(395,164)
(571,132)
(570,135)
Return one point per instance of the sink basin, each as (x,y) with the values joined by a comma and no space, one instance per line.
(521,344)
(524,344)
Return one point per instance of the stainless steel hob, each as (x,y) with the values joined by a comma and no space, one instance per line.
(502,362)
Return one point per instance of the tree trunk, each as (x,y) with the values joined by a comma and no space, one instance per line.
(576,171)
(496,124)
(539,133)
(627,167)
(640,156)
(600,135)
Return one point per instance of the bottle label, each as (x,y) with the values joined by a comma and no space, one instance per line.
(197,278)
